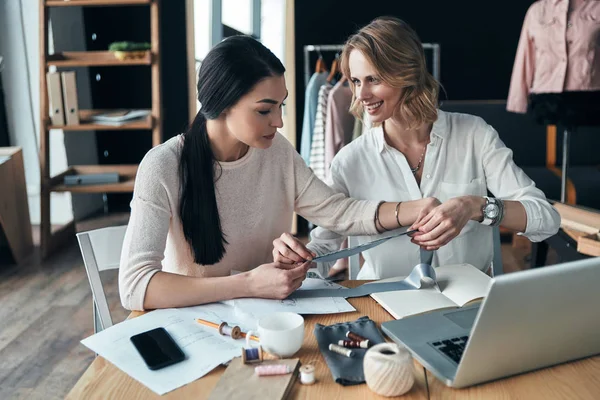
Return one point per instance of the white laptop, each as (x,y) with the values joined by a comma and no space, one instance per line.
(529,320)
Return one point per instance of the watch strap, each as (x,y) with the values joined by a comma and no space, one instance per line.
(486,220)
(500,216)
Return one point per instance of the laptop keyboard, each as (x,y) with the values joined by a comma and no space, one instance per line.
(453,348)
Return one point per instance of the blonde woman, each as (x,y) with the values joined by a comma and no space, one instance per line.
(438,165)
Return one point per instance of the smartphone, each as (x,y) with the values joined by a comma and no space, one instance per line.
(157,348)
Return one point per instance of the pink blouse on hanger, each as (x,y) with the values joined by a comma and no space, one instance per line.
(559,50)
(339,124)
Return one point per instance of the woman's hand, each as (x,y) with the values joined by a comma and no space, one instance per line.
(444,222)
(425,205)
(289,250)
(276,280)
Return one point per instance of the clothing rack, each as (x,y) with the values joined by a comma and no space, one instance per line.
(316,48)
(435,47)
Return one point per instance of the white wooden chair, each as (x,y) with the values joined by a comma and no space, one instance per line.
(354,262)
(101,250)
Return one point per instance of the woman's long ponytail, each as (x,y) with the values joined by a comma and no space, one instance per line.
(229,71)
(198,198)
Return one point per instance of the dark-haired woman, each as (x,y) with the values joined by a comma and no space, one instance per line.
(209,203)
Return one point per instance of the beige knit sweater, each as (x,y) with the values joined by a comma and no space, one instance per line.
(256,197)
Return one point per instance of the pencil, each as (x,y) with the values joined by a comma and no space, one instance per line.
(217,326)
(207,323)
(252,337)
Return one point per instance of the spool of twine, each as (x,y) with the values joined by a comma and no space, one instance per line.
(389,369)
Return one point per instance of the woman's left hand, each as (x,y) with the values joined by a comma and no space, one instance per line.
(287,249)
(444,222)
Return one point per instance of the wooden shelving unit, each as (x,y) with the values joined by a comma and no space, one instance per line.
(50,239)
(126,172)
(71,3)
(87,125)
(92,59)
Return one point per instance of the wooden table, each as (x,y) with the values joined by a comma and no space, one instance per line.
(580,379)
(577,238)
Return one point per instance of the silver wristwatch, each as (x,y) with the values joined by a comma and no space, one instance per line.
(492,211)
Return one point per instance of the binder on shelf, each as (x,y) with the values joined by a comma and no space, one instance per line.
(69,90)
(91,179)
(55,98)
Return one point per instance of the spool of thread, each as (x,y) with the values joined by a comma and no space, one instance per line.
(273,369)
(307,374)
(341,350)
(355,336)
(389,369)
(252,355)
(353,344)
(234,331)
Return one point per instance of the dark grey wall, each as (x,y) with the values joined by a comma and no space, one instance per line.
(478,38)
(129,87)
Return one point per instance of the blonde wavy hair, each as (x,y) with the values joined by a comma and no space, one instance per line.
(395,51)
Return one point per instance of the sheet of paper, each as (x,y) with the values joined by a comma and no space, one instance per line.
(204,348)
(411,302)
(462,283)
(316,283)
(459,284)
(255,308)
(222,312)
(219,312)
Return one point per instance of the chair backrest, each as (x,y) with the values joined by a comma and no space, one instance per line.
(354,263)
(525,137)
(101,250)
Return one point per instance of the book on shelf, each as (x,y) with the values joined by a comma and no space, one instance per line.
(459,284)
(119,117)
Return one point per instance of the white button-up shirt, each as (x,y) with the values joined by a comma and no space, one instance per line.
(464,157)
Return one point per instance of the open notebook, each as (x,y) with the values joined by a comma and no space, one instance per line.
(460,284)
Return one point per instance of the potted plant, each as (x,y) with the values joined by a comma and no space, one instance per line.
(129,50)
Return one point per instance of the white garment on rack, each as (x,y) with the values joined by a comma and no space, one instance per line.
(317,150)
(311,98)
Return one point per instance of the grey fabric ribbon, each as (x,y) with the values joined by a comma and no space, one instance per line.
(426,256)
(344,253)
(421,275)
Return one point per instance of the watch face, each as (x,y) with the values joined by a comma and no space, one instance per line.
(491,211)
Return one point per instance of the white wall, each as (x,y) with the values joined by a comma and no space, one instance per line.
(19,44)
(272,27)
(238,15)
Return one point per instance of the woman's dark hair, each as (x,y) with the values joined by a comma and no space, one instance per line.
(229,71)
